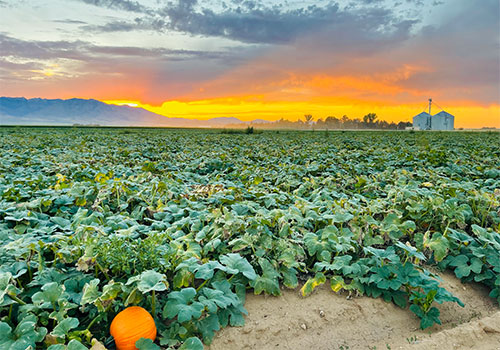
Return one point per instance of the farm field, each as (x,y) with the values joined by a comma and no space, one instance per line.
(293,238)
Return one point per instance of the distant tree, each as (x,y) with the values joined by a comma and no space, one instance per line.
(369,119)
(320,123)
(308,118)
(384,125)
(332,122)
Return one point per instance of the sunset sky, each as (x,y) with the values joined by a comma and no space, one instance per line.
(259,59)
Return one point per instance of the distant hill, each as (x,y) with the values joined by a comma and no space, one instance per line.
(39,111)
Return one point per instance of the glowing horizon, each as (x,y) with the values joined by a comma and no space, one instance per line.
(248,110)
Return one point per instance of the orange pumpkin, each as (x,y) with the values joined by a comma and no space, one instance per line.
(130,325)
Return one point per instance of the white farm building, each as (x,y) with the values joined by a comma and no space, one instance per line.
(422,121)
(440,121)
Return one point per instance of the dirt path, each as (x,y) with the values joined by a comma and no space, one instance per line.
(477,334)
(328,321)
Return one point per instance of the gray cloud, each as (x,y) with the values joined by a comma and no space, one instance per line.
(125,5)
(161,53)
(8,66)
(115,26)
(85,51)
(40,50)
(250,22)
(69,21)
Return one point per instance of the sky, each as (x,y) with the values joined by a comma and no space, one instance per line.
(259,59)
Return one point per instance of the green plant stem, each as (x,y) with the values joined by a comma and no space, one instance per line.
(92,322)
(30,273)
(446,229)
(205,282)
(118,196)
(485,216)
(16,299)
(153,303)
(102,270)
(230,278)
(40,261)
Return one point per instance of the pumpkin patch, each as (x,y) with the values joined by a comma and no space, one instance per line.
(94,221)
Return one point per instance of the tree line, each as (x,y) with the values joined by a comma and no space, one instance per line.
(369,121)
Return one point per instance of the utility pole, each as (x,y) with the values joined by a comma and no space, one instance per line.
(430,102)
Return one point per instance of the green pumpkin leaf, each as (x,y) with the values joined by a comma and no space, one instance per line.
(192,344)
(234,264)
(268,282)
(75,345)
(183,305)
(7,288)
(290,279)
(342,217)
(148,281)
(49,296)
(206,271)
(90,292)
(62,329)
(430,318)
(146,344)
(208,326)
(438,244)
(411,251)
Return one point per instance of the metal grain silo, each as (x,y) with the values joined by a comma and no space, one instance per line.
(442,121)
(422,121)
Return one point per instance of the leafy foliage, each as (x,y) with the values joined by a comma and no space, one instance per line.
(94,220)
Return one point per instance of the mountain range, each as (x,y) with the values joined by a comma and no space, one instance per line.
(39,111)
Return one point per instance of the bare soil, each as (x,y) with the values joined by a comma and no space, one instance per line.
(329,321)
